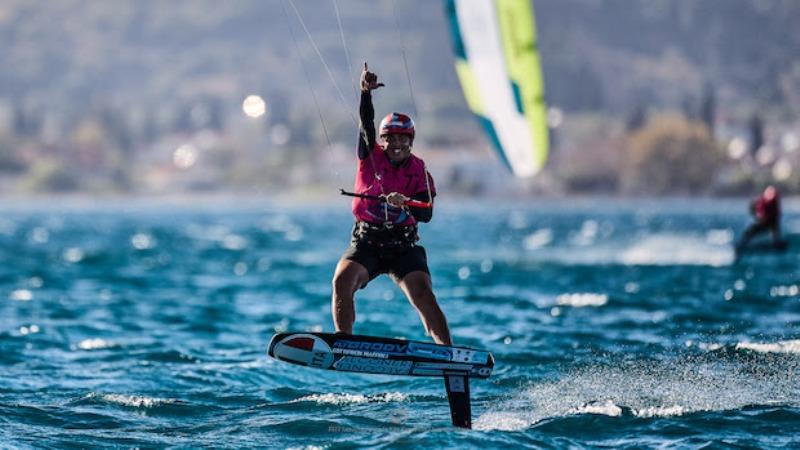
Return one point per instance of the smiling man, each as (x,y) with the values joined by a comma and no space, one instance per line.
(384,238)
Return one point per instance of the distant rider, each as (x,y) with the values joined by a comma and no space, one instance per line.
(766,209)
(384,238)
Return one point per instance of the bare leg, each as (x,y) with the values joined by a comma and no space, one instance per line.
(349,277)
(418,288)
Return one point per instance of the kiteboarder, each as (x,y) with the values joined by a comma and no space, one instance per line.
(393,193)
(766,210)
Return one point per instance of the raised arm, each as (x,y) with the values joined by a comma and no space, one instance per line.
(366,112)
(366,129)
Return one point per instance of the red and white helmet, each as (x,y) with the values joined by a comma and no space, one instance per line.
(397,123)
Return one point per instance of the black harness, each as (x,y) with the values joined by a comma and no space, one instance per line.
(385,236)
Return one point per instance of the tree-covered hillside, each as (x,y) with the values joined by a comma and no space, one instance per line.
(125,76)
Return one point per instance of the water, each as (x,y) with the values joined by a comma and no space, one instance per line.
(613,325)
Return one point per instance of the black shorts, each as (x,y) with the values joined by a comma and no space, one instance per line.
(396,262)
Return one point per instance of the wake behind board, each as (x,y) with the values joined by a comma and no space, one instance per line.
(386,356)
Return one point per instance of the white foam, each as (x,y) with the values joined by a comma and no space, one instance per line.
(538,239)
(663,249)
(587,234)
(40,235)
(580,300)
(21,295)
(719,237)
(659,411)
(792,347)
(234,242)
(134,401)
(711,346)
(143,241)
(73,255)
(650,389)
(502,421)
(670,249)
(605,408)
(352,399)
(95,344)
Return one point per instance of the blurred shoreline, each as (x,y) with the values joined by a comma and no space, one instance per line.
(168,98)
(289,201)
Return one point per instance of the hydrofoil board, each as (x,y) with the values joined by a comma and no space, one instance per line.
(379,355)
(387,356)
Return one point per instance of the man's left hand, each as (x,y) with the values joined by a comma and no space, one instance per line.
(396,199)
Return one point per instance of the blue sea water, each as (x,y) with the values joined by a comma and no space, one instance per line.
(614,325)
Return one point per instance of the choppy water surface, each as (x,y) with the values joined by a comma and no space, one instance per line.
(613,324)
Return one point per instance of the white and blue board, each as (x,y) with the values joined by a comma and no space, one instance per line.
(387,356)
(378,355)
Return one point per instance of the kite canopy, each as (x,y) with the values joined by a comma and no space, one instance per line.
(497,63)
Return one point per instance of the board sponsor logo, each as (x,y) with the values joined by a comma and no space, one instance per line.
(369,365)
(445,366)
(432,351)
(344,351)
(395,349)
(435,368)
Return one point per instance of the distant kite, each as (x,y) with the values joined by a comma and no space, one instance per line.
(498,66)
